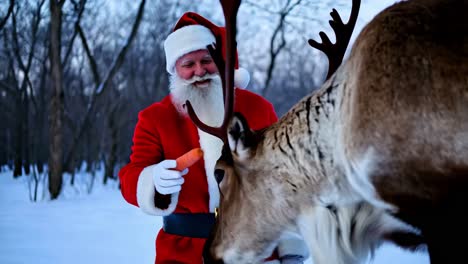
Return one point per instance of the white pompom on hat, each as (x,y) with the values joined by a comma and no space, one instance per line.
(194,32)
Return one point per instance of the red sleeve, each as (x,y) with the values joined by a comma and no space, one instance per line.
(272,115)
(146,150)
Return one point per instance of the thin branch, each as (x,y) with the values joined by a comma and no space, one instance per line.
(120,58)
(288,10)
(15,43)
(79,8)
(10,10)
(26,68)
(92,61)
(262,8)
(274,52)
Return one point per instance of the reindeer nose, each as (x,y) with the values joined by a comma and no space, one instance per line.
(219,175)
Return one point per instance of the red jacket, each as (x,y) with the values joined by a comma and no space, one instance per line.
(162,133)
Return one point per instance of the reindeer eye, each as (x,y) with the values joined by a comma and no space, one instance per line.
(235,131)
(219,175)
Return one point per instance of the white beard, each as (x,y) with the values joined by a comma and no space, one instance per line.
(206,101)
(208,104)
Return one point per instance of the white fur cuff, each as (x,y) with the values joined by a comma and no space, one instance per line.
(146,192)
(275,261)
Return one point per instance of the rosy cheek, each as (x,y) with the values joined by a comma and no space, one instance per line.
(185,74)
(211,68)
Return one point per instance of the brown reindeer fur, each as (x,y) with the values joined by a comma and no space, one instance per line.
(411,106)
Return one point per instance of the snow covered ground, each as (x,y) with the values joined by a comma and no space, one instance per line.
(92,228)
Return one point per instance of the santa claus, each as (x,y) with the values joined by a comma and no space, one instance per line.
(187,199)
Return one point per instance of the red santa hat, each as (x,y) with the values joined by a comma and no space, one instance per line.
(194,32)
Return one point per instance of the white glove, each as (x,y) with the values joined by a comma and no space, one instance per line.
(165,180)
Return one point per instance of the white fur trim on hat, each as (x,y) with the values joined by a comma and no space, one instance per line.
(146,192)
(241,78)
(185,40)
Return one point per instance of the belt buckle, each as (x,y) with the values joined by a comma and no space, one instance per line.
(216,212)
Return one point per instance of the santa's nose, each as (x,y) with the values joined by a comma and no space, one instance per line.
(200,71)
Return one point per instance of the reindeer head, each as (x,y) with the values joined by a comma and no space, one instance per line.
(248,224)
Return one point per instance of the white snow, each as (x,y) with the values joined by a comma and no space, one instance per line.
(100,227)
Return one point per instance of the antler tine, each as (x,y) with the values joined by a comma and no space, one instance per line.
(226,70)
(335,52)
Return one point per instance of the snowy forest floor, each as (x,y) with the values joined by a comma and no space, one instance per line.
(97,227)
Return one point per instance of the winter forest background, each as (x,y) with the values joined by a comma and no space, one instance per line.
(73,76)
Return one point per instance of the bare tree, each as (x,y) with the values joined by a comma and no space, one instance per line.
(25,89)
(100,84)
(56,101)
(20,52)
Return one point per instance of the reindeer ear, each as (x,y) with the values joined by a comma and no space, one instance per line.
(240,136)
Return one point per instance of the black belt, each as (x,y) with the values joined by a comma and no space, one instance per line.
(189,225)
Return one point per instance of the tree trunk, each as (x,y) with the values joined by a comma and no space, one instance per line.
(56,102)
(18,164)
(27,146)
(112,157)
(40,121)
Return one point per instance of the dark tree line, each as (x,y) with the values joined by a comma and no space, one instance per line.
(74,74)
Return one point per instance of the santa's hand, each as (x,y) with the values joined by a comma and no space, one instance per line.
(165,180)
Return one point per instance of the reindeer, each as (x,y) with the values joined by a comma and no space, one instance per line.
(379,152)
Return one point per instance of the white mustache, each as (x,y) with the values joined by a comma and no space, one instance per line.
(199,78)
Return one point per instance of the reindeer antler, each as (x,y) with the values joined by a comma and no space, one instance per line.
(335,52)
(226,70)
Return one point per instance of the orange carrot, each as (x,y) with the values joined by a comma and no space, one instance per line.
(188,159)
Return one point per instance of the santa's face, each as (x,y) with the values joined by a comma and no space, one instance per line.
(203,89)
(196,64)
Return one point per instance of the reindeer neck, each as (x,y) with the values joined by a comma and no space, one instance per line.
(308,145)
(307,135)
